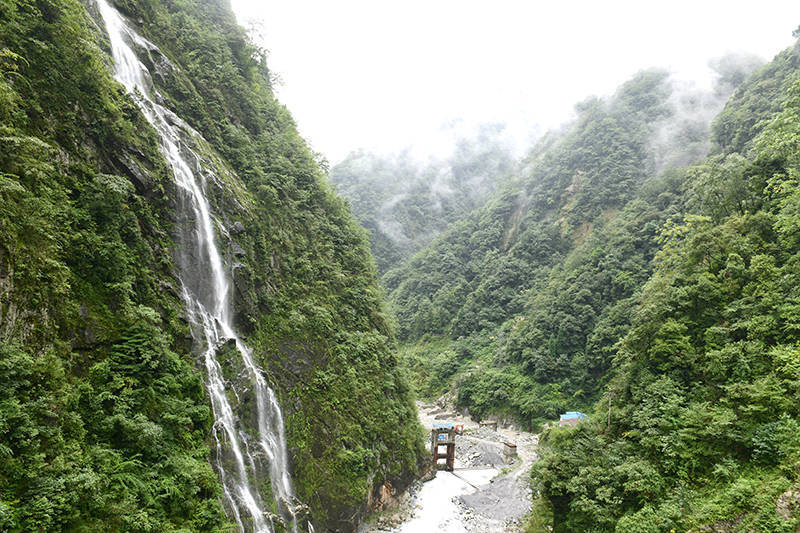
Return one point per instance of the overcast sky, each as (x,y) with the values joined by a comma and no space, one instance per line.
(384,75)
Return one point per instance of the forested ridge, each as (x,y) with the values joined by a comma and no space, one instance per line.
(104,421)
(646,256)
(640,264)
(703,427)
(523,300)
(405,203)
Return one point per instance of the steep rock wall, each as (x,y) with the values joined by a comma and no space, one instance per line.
(105,422)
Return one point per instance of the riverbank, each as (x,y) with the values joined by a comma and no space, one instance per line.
(482,495)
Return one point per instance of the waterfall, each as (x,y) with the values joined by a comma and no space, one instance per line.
(206,287)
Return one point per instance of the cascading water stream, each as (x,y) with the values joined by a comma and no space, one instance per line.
(206,291)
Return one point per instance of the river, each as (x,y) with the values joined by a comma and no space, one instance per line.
(482,495)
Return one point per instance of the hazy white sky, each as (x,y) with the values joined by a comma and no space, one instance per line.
(384,75)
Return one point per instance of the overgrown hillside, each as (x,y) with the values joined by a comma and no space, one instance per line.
(519,305)
(404,203)
(104,421)
(704,430)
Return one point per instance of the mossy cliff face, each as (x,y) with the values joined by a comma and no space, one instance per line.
(104,424)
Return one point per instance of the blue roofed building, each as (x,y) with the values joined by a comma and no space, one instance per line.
(571,418)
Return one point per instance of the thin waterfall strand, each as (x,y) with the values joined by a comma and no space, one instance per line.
(210,312)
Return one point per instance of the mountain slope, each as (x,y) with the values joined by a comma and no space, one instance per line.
(702,434)
(104,423)
(404,203)
(520,303)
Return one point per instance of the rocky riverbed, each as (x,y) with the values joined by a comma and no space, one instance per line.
(482,495)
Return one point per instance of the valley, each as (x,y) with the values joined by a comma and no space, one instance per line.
(206,326)
(484,493)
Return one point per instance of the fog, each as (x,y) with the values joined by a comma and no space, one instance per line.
(405,199)
(383,75)
(684,137)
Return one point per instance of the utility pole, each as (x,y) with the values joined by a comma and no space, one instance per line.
(610,394)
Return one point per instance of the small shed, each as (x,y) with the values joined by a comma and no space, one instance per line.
(571,418)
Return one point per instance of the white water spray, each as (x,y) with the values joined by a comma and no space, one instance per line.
(206,291)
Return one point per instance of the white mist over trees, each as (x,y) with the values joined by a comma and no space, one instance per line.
(684,136)
(405,199)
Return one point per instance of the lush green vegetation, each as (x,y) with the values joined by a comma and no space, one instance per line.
(704,423)
(104,424)
(595,268)
(601,271)
(405,204)
(528,295)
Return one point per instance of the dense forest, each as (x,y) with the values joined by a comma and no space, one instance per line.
(521,302)
(639,264)
(405,202)
(104,421)
(703,425)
